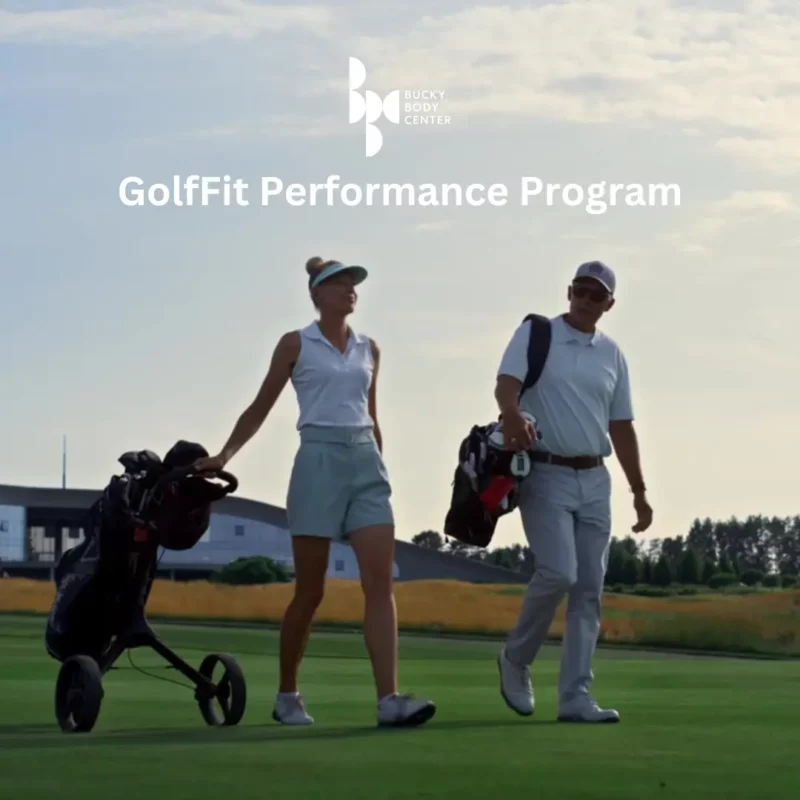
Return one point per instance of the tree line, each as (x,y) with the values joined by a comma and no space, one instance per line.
(756,550)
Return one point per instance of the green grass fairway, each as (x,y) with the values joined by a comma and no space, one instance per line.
(691,728)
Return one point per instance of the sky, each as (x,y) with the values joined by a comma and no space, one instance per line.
(131,327)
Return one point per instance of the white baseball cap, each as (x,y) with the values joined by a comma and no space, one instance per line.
(600,272)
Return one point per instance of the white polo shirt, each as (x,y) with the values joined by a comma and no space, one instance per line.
(333,387)
(583,386)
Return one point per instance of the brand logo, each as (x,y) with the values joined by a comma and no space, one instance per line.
(369,107)
(420,107)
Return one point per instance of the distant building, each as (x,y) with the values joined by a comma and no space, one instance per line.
(37,525)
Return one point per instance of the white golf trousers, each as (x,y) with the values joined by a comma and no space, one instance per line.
(566,515)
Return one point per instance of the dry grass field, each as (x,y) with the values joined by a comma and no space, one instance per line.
(759,622)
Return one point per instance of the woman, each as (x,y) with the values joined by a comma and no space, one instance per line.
(339,488)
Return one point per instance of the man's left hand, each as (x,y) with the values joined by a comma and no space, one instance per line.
(644,514)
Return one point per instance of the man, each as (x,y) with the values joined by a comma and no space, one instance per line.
(581,400)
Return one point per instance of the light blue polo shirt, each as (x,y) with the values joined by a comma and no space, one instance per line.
(584,384)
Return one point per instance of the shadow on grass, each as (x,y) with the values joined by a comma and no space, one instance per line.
(48,737)
(25,727)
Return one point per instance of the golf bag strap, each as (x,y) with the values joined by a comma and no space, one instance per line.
(538,349)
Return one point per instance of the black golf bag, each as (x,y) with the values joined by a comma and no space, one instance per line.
(486,480)
(485,488)
(102,584)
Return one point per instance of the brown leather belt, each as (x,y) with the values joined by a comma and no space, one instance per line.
(576,462)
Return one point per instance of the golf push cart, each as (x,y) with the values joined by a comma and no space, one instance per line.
(103,585)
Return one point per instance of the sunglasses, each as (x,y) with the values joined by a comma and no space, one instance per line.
(595,295)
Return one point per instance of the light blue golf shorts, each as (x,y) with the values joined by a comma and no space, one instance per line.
(338,484)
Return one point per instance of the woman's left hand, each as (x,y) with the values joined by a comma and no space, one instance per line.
(210,464)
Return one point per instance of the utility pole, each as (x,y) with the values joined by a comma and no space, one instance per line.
(64,462)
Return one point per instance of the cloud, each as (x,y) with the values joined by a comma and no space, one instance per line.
(683,242)
(722,70)
(727,73)
(292,126)
(174,20)
(779,154)
(733,211)
(439,225)
(288,126)
(758,201)
(579,236)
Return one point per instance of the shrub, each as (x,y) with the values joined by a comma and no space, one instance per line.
(750,577)
(252,570)
(771,581)
(788,581)
(721,579)
(642,590)
(737,588)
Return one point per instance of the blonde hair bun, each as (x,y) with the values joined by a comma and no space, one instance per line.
(313,265)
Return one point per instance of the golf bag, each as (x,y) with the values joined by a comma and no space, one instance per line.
(102,584)
(487,477)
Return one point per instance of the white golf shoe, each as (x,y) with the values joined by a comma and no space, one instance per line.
(515,685)
(404,710)
(290,709)
(584,709)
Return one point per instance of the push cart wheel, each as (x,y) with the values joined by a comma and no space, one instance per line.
(79,693)
(223,701)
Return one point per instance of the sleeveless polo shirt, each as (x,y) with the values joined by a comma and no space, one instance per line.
(333,387)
